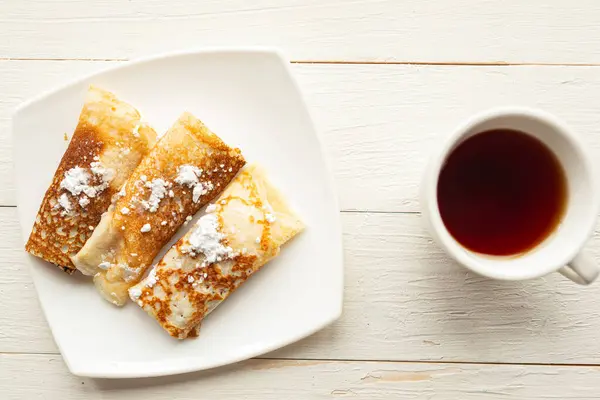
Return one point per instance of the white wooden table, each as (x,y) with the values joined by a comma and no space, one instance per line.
(384,80)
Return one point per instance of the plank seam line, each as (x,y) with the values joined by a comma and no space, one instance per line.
(450,63)
(348,360)
(485,363)
(350,62)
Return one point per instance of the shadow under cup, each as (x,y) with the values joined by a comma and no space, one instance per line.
(580,210)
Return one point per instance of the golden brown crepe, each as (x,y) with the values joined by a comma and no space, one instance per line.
(188,167)
(108,143)
(240,233)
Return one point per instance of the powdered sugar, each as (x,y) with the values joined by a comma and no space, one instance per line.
(120,194)
(201,189)
(269,214)
(206,239)
(106,174)
(105,265)
(135,293)
(189,175)
(84,201)
(151,279)
(158,189)
(77,182)
(129,274)
(146,228)
(63,201)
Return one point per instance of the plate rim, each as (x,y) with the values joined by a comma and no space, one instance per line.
(106,370)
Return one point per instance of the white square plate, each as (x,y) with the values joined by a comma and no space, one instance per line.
(250,99)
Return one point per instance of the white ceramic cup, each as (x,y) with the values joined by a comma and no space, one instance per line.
(562,250)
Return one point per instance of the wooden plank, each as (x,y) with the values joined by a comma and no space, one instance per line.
(46,377)
(24,327)
(378,122)
(536,31)
(404,300)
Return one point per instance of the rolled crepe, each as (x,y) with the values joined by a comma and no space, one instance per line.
(239,233)
(188,167)
(108,143)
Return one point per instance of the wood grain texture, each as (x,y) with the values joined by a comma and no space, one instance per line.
(34,377)
(404,300)
(379,123)
(536,31)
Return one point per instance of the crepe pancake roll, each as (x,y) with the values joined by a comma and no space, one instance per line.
(240,233)
(187,168)
(107,145)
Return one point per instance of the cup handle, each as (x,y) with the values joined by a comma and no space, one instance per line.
(582,269)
